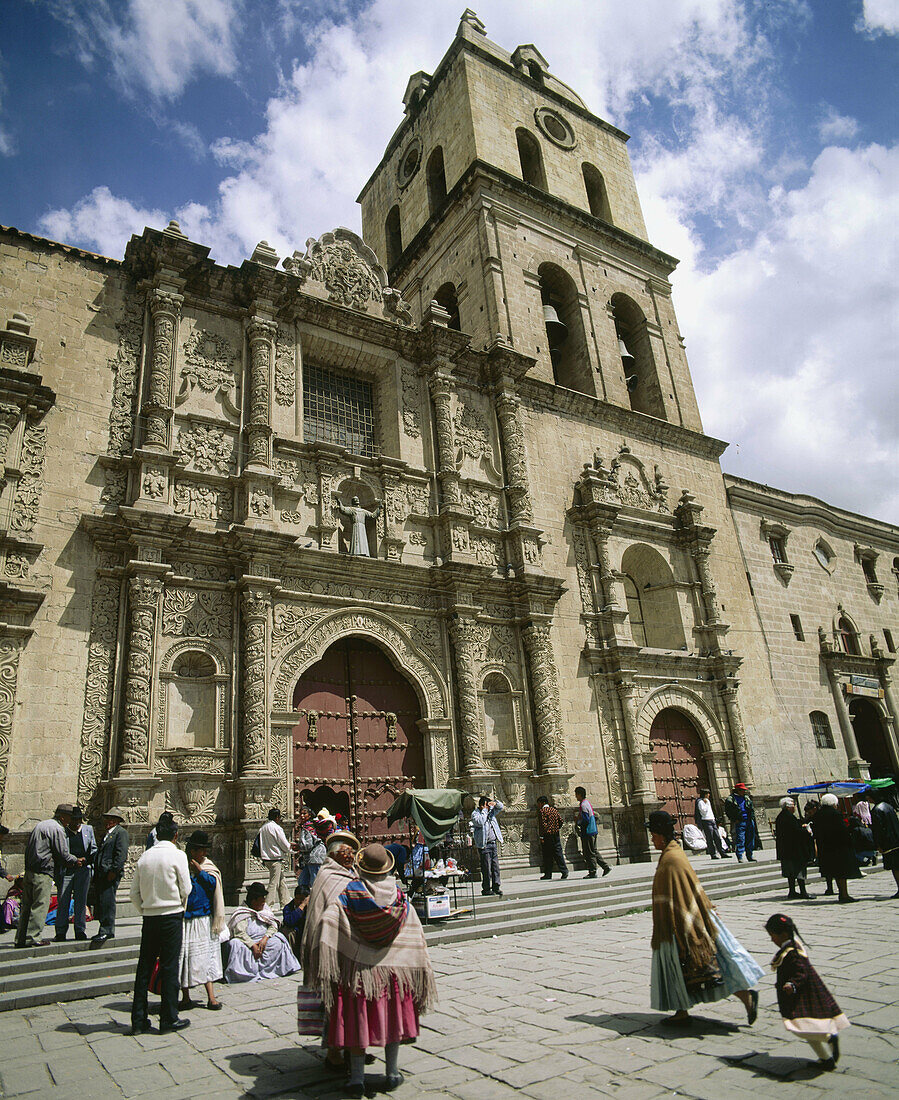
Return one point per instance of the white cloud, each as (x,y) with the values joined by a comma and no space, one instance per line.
(836,127)
(154,46)
(879,17)
(792,340)
(102,220)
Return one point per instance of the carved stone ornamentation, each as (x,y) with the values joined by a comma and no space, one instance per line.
(470,645)
(298,475)
(31,481)
(261,335)
(203,501)
(411,402)
(143,592)
(154,482)
(484,507)
(508,411)
(441,394)
(545,689)
(207,448)
(115,487)
(165,309)
(10,649)
(95,725)
(209,362)
(124,366)
(285,373)
(346,267)
(193,613)
(289,624)
(486,551)
(255,605)
(471,433)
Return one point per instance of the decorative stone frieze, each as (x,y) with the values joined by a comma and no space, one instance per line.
(545,693)
(285,372)
(31,480)
(144,591)
(202,501)
(207,448)
(191,612)
(124,365)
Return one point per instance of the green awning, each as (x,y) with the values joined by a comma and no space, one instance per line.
(435,812)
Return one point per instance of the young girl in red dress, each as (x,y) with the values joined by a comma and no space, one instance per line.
(806,1004)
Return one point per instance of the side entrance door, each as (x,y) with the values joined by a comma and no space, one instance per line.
(678,767)
(357,745)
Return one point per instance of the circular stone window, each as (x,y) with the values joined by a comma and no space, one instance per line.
(824,554)
(555,127)
(409,162)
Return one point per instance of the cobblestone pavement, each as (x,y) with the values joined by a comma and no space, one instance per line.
(539,1014)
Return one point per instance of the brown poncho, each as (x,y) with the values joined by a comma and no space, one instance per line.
(682,912)
(330,882)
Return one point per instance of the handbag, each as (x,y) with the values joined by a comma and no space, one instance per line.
(310,1012)
(154,982)
(256,849)
(698,976)
(590,828)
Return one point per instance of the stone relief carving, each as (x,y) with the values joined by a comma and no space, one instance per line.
(208,448)
(154,482)
(471,433)
(143,600)
(299,475)
(285,373)
(290,623)
(441,761)
(28,490)
(203,501)
(194,803)
(345,266)
(501,648)
(625,481)
(484,507)
(279,769)
(209,362)
(411,401)
(10,649)
(17,566)
(425,634)
(124,367)
(255,604)
(398,597)
(260,503)
(200,570)
(190,612)
(486,550)
(115,487)
(545,687)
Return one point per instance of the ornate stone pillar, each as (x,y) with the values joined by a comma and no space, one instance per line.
(255,602)
(643,790)
(10,650)
(9,418)
(508,409)
(469,641)
(261,335)
(737,732)
(889,698)
(545,689)
(165,311)
(441,388)
(701,555)
(143,601)
(856,767)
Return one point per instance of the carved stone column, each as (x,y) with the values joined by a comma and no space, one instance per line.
(545,688)
(701,555)
(469,641)
(9,418)
(890,719)
(856,767)
(143,601)
(261,336)
(10,650)
(643,790)
(441,388)
(737,732)
(255,602)
(508,411)
(165,310)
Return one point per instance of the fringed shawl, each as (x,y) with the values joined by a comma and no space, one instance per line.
(218,898)
(377,924)
(330,882)
(681,910)
(345,959)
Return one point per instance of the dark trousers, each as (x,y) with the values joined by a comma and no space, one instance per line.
(591,856)
(551,852)
(160,938)
(72,887)
(105,907)
(489,867)
(712,838)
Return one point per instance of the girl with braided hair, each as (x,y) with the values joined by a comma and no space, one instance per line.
(806,1004)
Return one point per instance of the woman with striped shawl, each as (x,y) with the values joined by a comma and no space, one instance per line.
(695,960)
(372,968)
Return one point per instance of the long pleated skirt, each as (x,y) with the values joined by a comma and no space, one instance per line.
(668,991)
(355,1022)
(201,956)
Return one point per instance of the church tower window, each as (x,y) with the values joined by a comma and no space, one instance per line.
(565,330)
(394,236)
(636,357)
(597,196)
(436,180)
(339,409)
(446,296)
(531,159)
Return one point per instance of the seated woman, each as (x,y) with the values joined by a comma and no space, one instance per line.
(257,950)
(295,918)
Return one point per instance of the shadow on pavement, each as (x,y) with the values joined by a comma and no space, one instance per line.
(91,1029)
(651,1022)
(291,1072)
(775,1067)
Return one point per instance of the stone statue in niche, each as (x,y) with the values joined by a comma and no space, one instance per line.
(358,537)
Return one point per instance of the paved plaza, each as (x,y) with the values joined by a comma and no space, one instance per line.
(542,1014)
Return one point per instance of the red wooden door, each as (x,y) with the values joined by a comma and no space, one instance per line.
(357,746)
(677,766)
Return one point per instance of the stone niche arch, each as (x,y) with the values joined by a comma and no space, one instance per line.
(406,657)
(654,586)
(195,677)
(695,708)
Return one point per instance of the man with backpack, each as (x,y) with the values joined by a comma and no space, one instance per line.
(273,848)
(587,830)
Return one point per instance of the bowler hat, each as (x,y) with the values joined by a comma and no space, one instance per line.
(660,821)
(342,836)
(115,812)
(374,859)
(199,839)
(65,808)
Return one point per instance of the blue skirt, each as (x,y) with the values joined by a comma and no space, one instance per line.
(668,991)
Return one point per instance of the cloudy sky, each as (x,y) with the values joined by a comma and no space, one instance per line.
(764,138)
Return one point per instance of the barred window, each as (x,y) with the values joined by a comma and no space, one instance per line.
(821,729)
(778,549)
(339,409)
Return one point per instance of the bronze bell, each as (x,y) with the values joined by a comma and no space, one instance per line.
(556,331)
(627,359)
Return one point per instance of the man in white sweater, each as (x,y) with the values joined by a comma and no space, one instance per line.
(274,851)
(159,893)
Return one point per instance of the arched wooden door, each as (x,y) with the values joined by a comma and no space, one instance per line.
(870,737)
(357,746)
(678,767)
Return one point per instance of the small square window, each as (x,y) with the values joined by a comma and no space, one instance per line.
(338,408)
(797,628)
(888,638)
(821,729)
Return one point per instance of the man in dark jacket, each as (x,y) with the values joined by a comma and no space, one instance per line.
(885,827)
(741,815)
(549,825)
(793,843)
(46,855)
(72,885)
(112,856)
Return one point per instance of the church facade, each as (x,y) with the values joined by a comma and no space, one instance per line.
(311,530)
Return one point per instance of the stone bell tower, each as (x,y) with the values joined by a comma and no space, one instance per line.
(504,199)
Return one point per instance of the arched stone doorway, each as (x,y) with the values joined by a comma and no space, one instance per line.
(677,765)
(357,745)
(870,737)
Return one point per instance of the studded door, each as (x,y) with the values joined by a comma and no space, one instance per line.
(357,745)
(677,766)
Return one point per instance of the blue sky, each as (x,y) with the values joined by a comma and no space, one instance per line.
(764,139)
